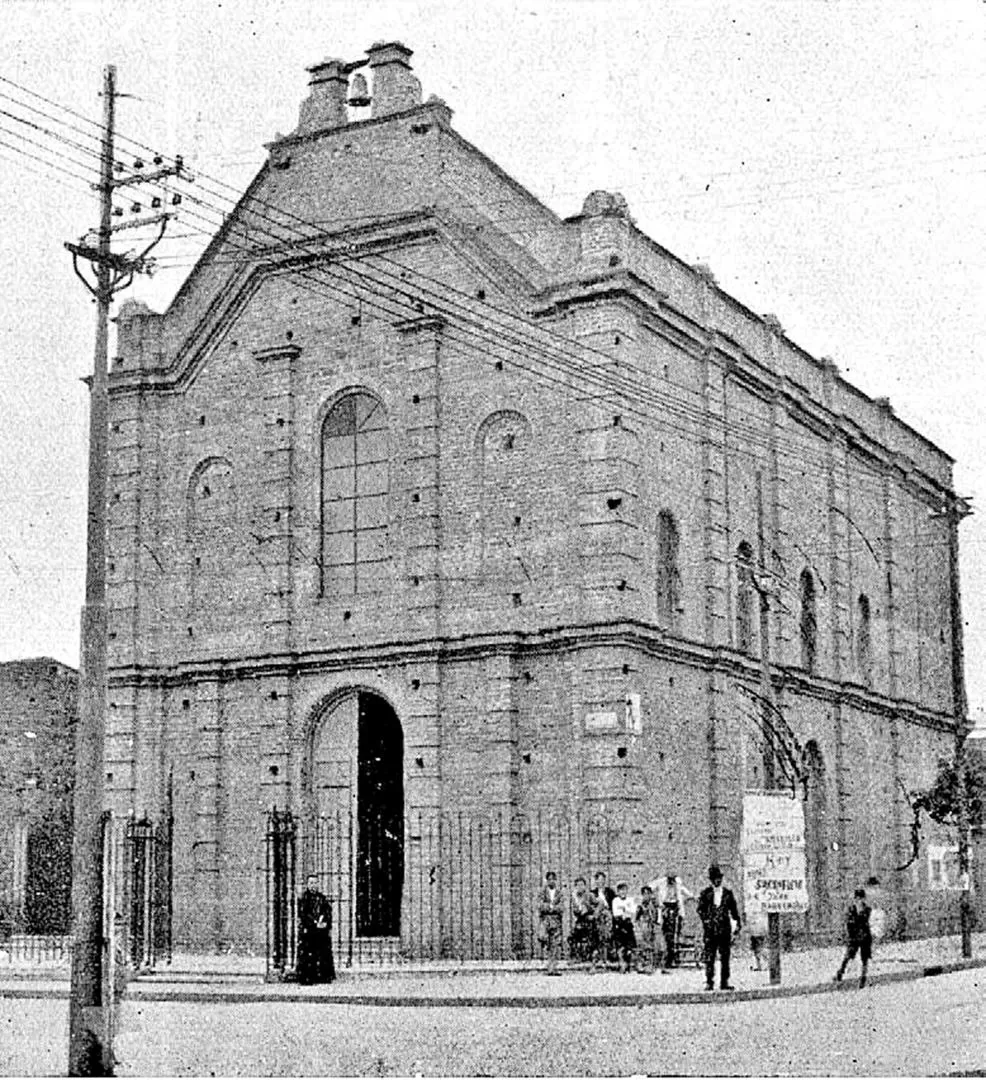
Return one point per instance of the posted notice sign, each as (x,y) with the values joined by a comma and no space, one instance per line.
(773,849)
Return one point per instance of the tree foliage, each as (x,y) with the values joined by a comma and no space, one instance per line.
(943,800)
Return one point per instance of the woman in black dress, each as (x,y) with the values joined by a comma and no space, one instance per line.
(315,964)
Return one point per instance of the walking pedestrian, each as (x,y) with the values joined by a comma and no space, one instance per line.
(315,962)
(624,941)
(859,936)
(720,921)
(550,917)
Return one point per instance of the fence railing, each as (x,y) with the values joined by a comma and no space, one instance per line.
(450,886)
(137,906)
(36,949)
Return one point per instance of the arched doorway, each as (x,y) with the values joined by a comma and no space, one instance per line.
(356,836)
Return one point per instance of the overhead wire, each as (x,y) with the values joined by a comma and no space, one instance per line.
(334,280)
(610,384)
(714,173)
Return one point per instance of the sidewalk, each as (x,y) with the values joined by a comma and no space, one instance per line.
(232,979)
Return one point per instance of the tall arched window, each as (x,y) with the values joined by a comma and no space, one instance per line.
(744,597)
(668,574)
(809,622)
(816,836)
(864,658)
(354,495)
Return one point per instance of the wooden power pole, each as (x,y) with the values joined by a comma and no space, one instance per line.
(90,1030)
(767,703)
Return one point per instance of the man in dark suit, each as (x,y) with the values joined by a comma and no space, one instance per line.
(720,920)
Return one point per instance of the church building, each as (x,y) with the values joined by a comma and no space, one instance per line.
(483,541)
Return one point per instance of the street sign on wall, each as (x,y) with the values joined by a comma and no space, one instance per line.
(773,851)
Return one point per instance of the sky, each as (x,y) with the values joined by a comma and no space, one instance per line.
(826,158)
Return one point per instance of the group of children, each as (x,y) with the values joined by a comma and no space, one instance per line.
(611,926)
(608,926)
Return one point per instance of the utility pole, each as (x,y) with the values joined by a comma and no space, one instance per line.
(90,1030)
(953,513)
(767,695)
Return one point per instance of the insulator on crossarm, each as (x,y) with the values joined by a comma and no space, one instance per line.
(138,164)
(118,211)
(119,166)
(176,200)
(155,203)
(158,159)
(135,208)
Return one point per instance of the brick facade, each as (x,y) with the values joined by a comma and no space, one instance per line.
(38,711)
(546,391)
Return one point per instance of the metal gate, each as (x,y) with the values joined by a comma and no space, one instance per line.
(461,886)
(281,892)
(148,893)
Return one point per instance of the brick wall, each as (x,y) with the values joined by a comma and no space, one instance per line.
(544,405)
(38,710)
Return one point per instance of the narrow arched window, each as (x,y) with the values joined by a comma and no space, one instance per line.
(864,657)
(809,622)
(668,574)
(816,836)
(354,495)
(744,597)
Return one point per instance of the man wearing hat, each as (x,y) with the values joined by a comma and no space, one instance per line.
(720,920)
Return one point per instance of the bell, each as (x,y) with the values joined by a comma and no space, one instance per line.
(358,93)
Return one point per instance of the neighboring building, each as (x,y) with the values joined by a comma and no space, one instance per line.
(38,710)
(427,506)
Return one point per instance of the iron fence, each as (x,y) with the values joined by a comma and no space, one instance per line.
(281,840)
(36,949)
(147,892)
(450,886)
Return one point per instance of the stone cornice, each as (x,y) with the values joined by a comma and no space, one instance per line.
(629,634)
(230,301)
(658,314)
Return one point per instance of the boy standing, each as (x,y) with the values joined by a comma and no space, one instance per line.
(549,914)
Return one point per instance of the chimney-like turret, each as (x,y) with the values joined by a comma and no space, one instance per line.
(394,86)
(325,106)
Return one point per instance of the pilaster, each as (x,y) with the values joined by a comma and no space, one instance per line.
(719,569)
(608,495)
(277,511)
(207,718)
(421,571)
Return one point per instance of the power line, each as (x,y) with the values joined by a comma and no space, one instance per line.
(608,381)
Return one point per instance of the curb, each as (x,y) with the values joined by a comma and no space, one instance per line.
(532,1001)
(142,991)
